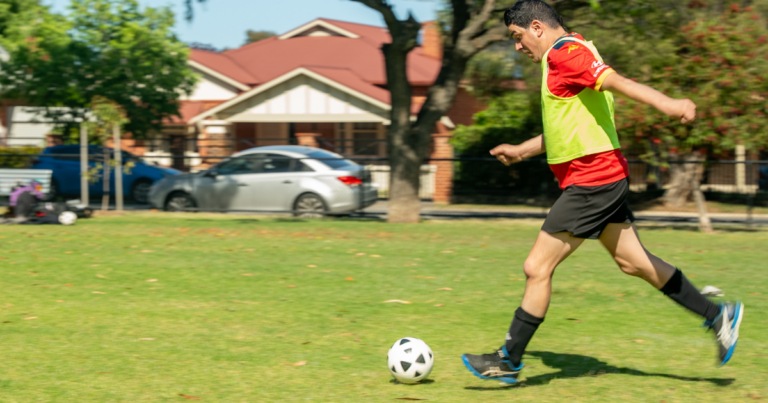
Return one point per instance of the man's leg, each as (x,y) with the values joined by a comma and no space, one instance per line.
(505,364)
(548,251)
(623,243)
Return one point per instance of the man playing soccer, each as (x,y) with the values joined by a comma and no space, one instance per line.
(583,152)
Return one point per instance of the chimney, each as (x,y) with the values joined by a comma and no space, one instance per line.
(432,41)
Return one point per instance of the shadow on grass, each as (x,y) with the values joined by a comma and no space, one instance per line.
(422,382)
(575,366)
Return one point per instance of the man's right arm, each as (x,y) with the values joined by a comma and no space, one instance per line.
(683,109)
(509,154)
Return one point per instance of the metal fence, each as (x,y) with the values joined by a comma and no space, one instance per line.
(738,186)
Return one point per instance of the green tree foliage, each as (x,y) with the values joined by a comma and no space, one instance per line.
(509,118)
(20,19)
(710,51)
(105,116)
(255,36)
(720,63)
(111,49)
(17,157)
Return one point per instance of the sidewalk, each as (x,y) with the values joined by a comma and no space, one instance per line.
(458,211)
(431,210)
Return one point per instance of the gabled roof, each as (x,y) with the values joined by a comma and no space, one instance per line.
(340,79)
(319,26)
(358,50)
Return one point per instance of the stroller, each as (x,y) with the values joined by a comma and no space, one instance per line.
(26,207)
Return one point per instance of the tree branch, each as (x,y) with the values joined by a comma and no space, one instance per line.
(403,32)
(382,7)
(478,22)
(489,36)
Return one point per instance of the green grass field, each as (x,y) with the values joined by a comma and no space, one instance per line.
(169,308)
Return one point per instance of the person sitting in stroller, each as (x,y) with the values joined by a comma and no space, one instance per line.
(23,198)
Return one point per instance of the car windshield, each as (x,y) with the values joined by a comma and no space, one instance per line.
(333,161)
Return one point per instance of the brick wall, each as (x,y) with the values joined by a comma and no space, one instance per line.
(441,148)
(432,44)
(218,141)
(308,139)
(465,105)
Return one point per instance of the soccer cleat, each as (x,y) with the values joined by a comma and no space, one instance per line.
(726,328)
(495,366)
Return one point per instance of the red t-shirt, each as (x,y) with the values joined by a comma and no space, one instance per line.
(572,68)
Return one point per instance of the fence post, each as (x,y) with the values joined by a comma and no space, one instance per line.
(118,168)
(749,194)
(84,196)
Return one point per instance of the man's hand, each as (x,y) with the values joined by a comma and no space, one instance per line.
(507,154)
(683,109)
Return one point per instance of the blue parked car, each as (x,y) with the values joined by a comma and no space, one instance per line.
(66,172)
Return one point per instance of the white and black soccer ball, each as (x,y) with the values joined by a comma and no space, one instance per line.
(67,218)
(410,360)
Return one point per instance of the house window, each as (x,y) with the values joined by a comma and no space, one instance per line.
(364,137)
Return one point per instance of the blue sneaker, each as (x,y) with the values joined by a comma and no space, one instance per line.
(726,328)
(495,366)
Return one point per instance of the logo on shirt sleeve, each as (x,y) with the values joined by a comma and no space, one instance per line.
(572,47)
(600,66)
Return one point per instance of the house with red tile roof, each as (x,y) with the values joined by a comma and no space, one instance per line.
(322,84)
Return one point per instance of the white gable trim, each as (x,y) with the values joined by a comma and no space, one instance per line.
(318,23)
(216,74)
(279,80)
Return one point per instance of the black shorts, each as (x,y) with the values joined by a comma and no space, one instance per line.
(584,211)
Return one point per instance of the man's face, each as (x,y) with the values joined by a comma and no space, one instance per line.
(527,40)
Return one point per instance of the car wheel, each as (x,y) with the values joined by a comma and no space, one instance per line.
(309,205)
(179,201)
(140,191)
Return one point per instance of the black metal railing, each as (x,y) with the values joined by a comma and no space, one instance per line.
(737,186)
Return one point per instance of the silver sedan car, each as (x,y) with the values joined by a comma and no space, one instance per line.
(308,181)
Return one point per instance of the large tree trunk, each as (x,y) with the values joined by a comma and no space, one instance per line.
(705,225)
(408,141)
(685,183)
(683,170)
(406,148)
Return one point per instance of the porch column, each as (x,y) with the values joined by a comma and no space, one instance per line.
(217,141)
(441,148)
(308,139)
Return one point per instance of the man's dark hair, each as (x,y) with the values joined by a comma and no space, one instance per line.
(524,12)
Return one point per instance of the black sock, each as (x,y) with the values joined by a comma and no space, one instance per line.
(521,330)
(684,293)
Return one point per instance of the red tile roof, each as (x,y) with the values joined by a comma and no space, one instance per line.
(265,60)
(190,109)
(223,64)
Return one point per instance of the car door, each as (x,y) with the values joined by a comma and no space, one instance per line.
(96,183)
(223,186)
(96,155)
(272,185)
(66,169)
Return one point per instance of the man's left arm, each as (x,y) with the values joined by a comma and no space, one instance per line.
(683,109)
